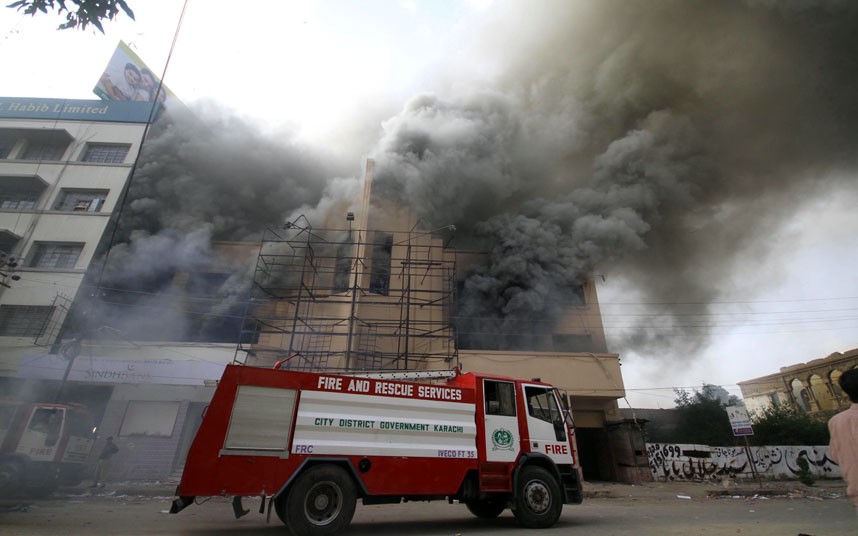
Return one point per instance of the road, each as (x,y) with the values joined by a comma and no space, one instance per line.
(614,510)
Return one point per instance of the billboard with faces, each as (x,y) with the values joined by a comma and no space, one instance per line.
(127,78)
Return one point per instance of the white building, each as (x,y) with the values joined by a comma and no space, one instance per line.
(63,167)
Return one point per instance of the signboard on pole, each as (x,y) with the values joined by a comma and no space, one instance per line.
(739,420)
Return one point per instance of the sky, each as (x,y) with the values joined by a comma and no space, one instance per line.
(703,149)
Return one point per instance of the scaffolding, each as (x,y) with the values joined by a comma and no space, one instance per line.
(351,300)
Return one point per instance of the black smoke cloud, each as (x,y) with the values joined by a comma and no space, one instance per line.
(659,142)
(208,167)
(204,176)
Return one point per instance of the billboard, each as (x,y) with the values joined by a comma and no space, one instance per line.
(127,78)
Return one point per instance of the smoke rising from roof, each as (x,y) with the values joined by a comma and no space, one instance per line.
(204,176)
(658,141)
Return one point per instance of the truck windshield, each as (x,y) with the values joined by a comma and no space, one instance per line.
(48,421)
(542,404)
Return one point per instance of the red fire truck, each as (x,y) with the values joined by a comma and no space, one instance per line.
(42,446)
(311,444)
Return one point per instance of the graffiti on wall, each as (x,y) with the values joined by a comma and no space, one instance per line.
(674,461)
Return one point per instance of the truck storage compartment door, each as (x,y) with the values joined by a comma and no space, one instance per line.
(260,422)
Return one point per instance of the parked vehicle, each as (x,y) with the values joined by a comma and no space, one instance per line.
(43,446)
(311,444)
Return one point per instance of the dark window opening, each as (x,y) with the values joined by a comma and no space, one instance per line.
(205,284)
(8,242)
(577,295)
(380,273)
(342,268)
(7,143)
(572,343)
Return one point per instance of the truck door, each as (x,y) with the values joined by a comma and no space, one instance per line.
(546,428)
(502,434)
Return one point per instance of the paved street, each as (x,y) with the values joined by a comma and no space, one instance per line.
(609,509)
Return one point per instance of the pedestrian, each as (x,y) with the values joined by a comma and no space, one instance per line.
(844,436)
(107,453)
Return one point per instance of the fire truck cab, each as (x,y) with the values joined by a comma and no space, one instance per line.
(42,446)
(311,444)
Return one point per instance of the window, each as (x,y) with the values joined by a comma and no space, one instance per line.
(261,419)
(20,193)
(7,143)
(577,295)
(18,200)
(153,419)
(33,144)
(55,255)
(81,200)
(105,153)
(47,421)
(24,320)
(342,268)
(8,241)
(206,284)
(379,280)
(500,398)
(572,343)
(46,149)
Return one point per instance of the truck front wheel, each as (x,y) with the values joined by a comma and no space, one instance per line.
(538,501)
(487,508)
(320,503)
(11,473)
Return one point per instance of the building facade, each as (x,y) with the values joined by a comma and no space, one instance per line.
(385,293)
(374,290)
(64,165)
(812,386)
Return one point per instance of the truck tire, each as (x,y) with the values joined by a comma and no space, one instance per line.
(487,508)
(11,472)
(320,503)
(538,498)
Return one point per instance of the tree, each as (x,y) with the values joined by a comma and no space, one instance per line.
(79,13)
(787,424)
(702,417)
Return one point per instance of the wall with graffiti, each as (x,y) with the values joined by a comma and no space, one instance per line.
(673,461)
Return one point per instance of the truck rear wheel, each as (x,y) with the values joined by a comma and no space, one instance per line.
(538,500)
(320,503)
(487,508)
